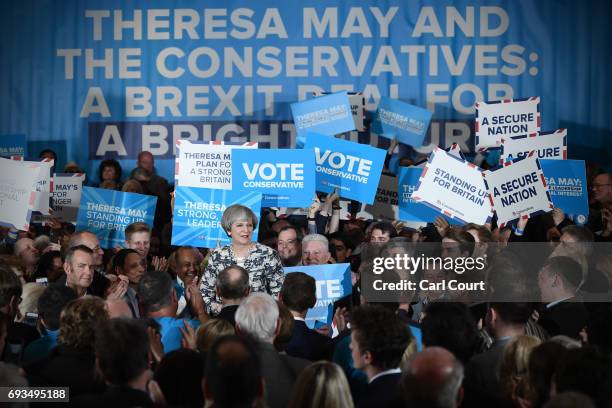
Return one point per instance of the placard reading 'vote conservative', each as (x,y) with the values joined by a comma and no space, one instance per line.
(198,211)
(205,165)
(567,185)
(503,119)
(333,282)
(547,145)
(285,177)
(454,187)
(327,115)
(399,120)
(107,213)
(518,190)
(352,168)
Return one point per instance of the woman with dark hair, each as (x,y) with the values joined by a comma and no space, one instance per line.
(50,266)
(110,174)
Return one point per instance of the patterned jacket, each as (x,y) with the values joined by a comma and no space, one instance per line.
(263,264)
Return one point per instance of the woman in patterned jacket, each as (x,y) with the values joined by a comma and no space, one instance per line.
(263,263)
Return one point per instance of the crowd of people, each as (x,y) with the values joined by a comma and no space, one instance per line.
(155,324)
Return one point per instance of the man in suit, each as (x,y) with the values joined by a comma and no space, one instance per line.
(378,341)
(299,294)
(558,281)
(122,353)
(258,317)
(233,376)
(432,378)
(232,287)
(504,320)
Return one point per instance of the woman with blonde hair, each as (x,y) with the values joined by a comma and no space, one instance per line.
(514,365)
(321,385)
(211,331)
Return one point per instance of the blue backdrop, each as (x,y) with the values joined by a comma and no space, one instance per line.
(111,77)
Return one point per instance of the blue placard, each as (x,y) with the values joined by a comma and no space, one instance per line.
(354,169)
(285,177)
(107,213)
(399,120)
(333,283)
(567,185)
(328,115)
(198,211)
(409,209)
(13,145)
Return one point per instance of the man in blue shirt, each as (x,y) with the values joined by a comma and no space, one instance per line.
(50,305)
(156,291)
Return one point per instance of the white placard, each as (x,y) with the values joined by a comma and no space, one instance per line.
(67,189)
(205,165)
(454,187)
(518,190)
(504,119)
(17,196)
(547,145)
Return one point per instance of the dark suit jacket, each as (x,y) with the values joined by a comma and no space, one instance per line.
(116,397)
(567,318)
(308,344)
(98,285)
(66,367)
(228,313)
(280,372)
(482,387)
(382,392)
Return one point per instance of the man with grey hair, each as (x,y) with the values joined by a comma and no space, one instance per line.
(315,250)
(432,378)
(232,287)
(258,317)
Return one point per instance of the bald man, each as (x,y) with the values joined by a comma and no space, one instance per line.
(433,378)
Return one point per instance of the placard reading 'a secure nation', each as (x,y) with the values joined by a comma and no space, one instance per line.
(352,168)
(454,187)
(503,119)
(285,177)
(518,190)
(547,145)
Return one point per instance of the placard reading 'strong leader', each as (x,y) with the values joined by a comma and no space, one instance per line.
(328,115)
(454,187)
(503,119)
(352,168)
(547,145)
(107,213)
(198,211)
(205,165)
(518,190)
(285,177)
